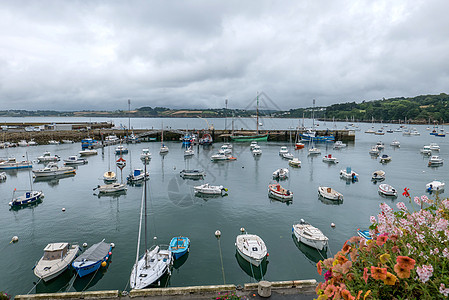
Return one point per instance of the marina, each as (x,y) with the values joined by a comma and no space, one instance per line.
(115,217)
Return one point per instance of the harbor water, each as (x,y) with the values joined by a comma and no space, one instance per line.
(174,209)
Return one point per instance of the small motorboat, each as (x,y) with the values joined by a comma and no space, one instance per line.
(163,150)
(137,175)
(67,141)
(314,151)
(280,173)
(189,152)
(75,160)
(395,143)
(109,176)
(252,248)
(219,157)
(310,235)
(378,175)
(225,149)
(276,191)
(283,150)
(434,147)
(179,246)
(329,193)
(435,160)
(29,197)
(385,158)
(387,190)
(348,174)
(426,150)
(256,150)
(208,189)
(370,131)
(121,150)
(192,174)
(435,186)
(23,143)
(299,146)
(145,155)
(2,176)
(11,163)
(88,152)
(253,145)
(287,156)
(380,145)
(379,132)
(91,259)
(364,234)
(374,150)
(52,170)
(330,159)
(47,157)
(295,162)
(339,145)
(414,132)
(53,142)
(111,188)
(56,259)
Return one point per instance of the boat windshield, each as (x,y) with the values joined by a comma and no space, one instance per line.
(52,255)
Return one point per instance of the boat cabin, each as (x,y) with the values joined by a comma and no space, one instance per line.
(55,251)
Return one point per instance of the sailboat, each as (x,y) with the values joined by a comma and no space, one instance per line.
(253,137)
(155,262)
(28,198)
(164,149)
(109,176)
(311,135)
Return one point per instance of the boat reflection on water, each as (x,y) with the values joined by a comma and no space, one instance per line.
(180,261)
(53,180)
(288,202)
(114,195)
(252,271)
(29,206)
(330,202)
(312,254)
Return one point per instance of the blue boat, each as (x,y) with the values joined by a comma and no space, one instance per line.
(364,234)
(29,197)
(90,261)
(179,246)
(88,143)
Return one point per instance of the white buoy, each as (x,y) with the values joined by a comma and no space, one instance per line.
(155,238)
(174,167)
(15,239)
(63,209)
(242,230)
(217,234)
(84,245)
(332,225)
(112,245)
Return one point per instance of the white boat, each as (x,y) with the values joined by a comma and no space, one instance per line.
(219,157)
(395,143)
(414,132)
(109,176)
(374,150)
(192,174)
(32,143)
(275,190)
(2,176)
(46,157)
(11,163)
(330,159)
(330,193)
(253,144)
(120,149)
(349,174)
(88,152)
(283,150)
(138,175)
(287,156)
(314,150)
(252,248)
(256,150)
(387,190)
(379,132)
(339,145)
(295,162)
(378,175)
(52,170)
(310,235)
(75,160)
(111,138)
(426,150)
(435,160)
(435,186)
(163,150)
(208,189)
(280,173)
(145,155)
(189,152)
(371,131)
(225,149)
(385,158)
(380,145)
(434,147)
(57,257)
(111,188)
(67,141)
(53,142)
(23,143)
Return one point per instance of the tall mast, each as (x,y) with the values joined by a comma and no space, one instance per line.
(129,116)
(313,115)
(145,197)
(257,114)
(226,113)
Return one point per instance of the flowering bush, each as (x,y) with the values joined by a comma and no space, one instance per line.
(407,258)
(4,296)
(229,296)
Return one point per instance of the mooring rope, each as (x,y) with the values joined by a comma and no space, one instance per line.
(34,286)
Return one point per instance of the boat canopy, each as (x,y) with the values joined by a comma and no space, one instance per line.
(95,253)
(55,251)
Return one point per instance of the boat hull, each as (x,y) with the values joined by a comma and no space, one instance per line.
(317,243)
(179,246)
(249,138)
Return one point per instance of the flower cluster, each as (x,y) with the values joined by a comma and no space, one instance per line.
(4,296)
(229,296)
(406,251)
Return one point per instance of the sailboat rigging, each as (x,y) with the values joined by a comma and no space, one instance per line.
(164,149)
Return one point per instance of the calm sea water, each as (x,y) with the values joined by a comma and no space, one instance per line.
(174,210)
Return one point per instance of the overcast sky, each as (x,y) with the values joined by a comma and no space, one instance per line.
(75,55)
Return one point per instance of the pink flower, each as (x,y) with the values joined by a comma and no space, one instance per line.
(328,275)
(425,199)
(417,200)
(446,253)
(441,225)
(401,206)
(446,203)
(372,219)
(424,273)
(444,290)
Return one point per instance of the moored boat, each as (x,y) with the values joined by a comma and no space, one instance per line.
(339,145)
(276,191)
(395,143)
(179,246)
(29,197)
(145,155)
(434,147)
(88,152)
(385,158)
(349,174)
(256,150)
(426,150)
(287,156)
(252,248)
(137,175)
(208,189)
(192,174)
(121,150)
(310,235)
(435,160)
(387,190)
(330,159)
(92,258)
(109,176)
(75,160)
(57,257)
(281,173)
(11,163)
(283,150)
(329,193)
(111,188)
(46,157)
(435,186)
(378,175)
(295,162)
(52,170)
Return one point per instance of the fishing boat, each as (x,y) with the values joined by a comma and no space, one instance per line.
(252,145)
(23,143)
(378,175)
(91,259)
(53,142)
(53,170)
(164,149)
(252,248)
(137,175)
(435,160)
(287,156)
(387,190)
(11,164)
(426,150)
(111,188)
(435,186)
(310,235)
(283,150)
(329,193)
(121,150)
(47,157)
(75,160)
(88,143)
(109,176)
(295,162)
(434,147)
(281,173)
(330,159)
(219,157)
(256,151)
(395,143)
(29,197)
(155,262)
(339,145)
(385,158)
(299,145)
(208,189)
(276,191)
(349,174)
(56,259)
(88,152)
(179,246)
(192,174)
(189,152)
(206,139)
(145,155)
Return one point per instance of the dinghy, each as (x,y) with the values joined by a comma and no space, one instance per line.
(280,173)
(179,246)
(295,162)
(348,174)
(90,260)
(435,186)
(310,235)
(192,174)
(387,190)
(378,175)
(208,189)
(329,193)
(252,248)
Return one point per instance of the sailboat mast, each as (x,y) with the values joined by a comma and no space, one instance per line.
(145,197)
(29,174)
(257,114)
(129,117)
(313,115)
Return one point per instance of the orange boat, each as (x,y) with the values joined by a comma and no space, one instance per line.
(299,146)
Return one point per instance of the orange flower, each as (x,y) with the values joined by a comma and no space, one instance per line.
(355,239)
(328,262)
(353,254)
(391,279)
(406,262)
(318,267)
(346,295)
(358,295)
(346,248)
(330,290)
(381,239)
(378,273)
(342,259)
(401,271)
(384,258)
(394,237)
(395,249)
(365,275)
